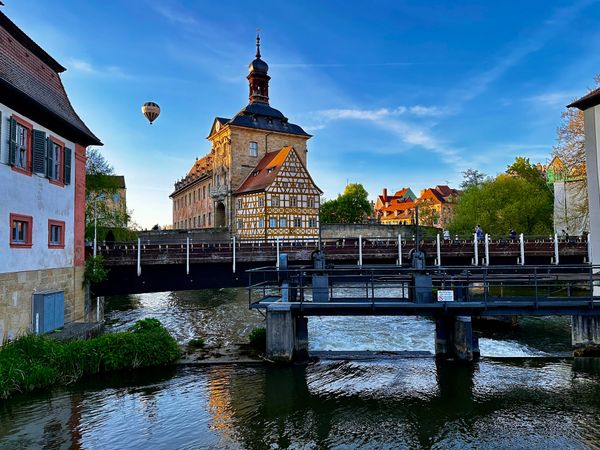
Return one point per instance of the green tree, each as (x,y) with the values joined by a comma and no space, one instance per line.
(503,203)
(472,177)
(101,186)
(526,170)
(350,207)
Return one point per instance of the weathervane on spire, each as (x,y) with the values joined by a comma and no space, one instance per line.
(258,43)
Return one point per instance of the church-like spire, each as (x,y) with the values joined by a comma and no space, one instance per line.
(257,44)
(257,77)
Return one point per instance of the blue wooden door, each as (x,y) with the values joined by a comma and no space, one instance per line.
(48,315)
(59,310)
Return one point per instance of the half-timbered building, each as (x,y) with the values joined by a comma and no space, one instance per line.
(279,199)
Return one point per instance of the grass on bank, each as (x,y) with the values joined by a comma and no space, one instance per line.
(34,362)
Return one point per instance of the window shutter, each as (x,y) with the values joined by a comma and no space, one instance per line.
(12,142)
(39,151)
(49,159)
(67,165)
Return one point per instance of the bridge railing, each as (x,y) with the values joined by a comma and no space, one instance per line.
(499,285)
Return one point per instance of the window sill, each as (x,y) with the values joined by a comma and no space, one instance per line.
(56,246)
(20,245)
(21,170)
(56,182)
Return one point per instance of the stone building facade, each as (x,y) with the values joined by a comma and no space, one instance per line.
(42,200)
(238,145)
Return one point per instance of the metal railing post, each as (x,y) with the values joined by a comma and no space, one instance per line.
(139,258)
(277,262)
(438,250)
(399,250)
(487,249)
(187,255)
(360,259)
(522,246)
(475,250)
(556,260)
(233,253)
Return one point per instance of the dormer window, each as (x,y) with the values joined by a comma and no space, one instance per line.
(253,148)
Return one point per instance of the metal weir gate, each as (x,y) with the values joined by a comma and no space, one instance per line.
(288,296)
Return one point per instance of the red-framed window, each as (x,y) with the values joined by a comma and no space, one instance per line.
(22,146)
(56,172)
(21,231)
(56,234)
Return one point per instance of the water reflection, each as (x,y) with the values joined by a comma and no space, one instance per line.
(391,403)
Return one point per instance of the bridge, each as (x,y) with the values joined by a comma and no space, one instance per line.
(288,296)
(187,263)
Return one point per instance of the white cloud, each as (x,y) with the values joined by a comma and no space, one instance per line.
(175,13)
(85,67)
(552,99)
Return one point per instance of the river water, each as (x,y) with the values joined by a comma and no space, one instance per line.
(522,394)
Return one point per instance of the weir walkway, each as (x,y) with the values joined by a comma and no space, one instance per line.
(452,296)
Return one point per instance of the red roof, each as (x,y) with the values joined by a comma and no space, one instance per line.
(265,171)
(30,82)
(201,166)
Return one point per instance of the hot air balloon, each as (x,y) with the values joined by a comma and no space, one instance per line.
(151,110)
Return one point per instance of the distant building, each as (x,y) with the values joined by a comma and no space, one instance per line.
(42,200)
(258,144)
(113,198)
(570,197)
(436,206)
(192,200)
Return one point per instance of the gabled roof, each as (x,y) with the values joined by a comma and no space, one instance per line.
(31,85)
(265,171)
(263,117)
(587,101)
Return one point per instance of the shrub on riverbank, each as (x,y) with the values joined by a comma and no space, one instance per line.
(33,361)
(258,338)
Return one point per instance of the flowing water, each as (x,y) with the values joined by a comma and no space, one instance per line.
(522,394)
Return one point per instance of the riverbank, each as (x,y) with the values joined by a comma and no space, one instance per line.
(34,362)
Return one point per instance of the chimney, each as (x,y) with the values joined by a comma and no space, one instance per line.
(385,195)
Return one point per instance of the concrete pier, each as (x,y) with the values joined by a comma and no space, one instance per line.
(287,335)
(454,338)
(585,331)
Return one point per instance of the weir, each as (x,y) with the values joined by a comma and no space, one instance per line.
(451,296)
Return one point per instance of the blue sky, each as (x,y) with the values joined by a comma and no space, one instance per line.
(396,93)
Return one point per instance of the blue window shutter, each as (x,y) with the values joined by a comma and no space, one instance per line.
(49,157)
(39,151)
(12,142)
(67,165)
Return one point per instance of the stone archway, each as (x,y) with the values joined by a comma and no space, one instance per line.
(220,215)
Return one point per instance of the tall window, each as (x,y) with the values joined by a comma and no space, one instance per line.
(253,149)
(23,136)
(275,200)
(261,201)
(55,169)
(298,222)
(283,222)
(56,234)
(20,230)
(311,202)
(209,214)
(240,203)
(272,222)
(240,224)
(293,200)
(312,223)
(261,223)
(204,192)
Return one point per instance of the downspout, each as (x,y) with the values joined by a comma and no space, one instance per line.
(265,195)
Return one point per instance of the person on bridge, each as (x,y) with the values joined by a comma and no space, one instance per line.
(479,233)
(512,234)
(446,234)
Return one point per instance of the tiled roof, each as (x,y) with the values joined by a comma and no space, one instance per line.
(399,206)
(201,166)
(28,69)
(587,101)
(265,171)
(402,192)
(262,116)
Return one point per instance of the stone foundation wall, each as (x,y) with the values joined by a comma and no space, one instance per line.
(368,230)
(16,291)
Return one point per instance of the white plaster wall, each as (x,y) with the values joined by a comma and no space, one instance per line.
(568,198)
(592,153)
(33,196)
